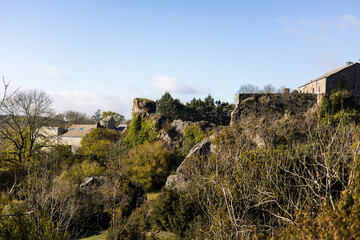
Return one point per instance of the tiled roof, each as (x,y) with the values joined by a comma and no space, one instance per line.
(326,75)
(79,130)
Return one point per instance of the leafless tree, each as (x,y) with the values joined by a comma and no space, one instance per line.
(25,114)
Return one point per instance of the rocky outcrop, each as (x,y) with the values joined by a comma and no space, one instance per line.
(180,125)
(143,106)
(180,179)
(91,183)
(271,106)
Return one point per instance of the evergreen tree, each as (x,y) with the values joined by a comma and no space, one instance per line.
(169,107)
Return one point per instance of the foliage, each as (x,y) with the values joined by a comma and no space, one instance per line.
(196,110)
(149,164)
(132,227)
(341,221)
(338,106)
(247,191)
(68,118)
(26,114)
(76,173)
(173,212)
(209,110)
(141,130)
(117,116)
(249,88)
(169,107)
(17,224)
(193,134)
(98,142)
(97,116)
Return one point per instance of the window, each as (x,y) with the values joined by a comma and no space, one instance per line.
(71,129)
(81,128)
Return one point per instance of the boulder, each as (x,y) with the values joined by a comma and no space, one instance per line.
(143,106)
(179,180)
(179,125)
(91,183)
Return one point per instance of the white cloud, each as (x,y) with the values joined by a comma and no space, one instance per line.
(52,71)
(344,22)
(290,30)
(350,20)
(88,102)
(170,84)
(320,30)
(326,61)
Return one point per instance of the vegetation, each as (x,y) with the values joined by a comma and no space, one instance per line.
(98,143)
(196,110)
(280,172)
(141,130)
(117,116)
(249,88)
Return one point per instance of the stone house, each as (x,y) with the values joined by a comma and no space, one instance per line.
(75,133)
(108,122)
(345,77)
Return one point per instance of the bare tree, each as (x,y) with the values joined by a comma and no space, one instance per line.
(74,117)
(268,88)
(249,88)
(25,114)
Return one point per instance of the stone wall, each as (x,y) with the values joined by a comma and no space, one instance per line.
(315,87)
(73,142)
(348,78)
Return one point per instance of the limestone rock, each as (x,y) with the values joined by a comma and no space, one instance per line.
(143,106)
(91,183)
(179,180)
(272,106)
(179,125)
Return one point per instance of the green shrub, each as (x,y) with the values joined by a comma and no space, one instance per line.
(141,131)
(98,143)
(193,133)
(339,106)
(148,165)
(17,224)
(173,212)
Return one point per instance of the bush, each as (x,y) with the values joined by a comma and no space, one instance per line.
(173,212)
(98,143)
(338,106)
(148,165)
(17,224)
(193,134)
(141,131)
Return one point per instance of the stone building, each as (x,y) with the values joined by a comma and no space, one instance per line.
(345,77)
(75,133)
(108,122)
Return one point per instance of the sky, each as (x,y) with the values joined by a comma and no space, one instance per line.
(88,55)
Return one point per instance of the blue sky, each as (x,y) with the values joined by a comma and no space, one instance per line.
(90,55)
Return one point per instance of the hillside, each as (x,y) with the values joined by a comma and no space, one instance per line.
(283,168)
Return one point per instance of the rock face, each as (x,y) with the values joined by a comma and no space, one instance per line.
(91,183)
(143,106)
(271,106)
(179,180)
